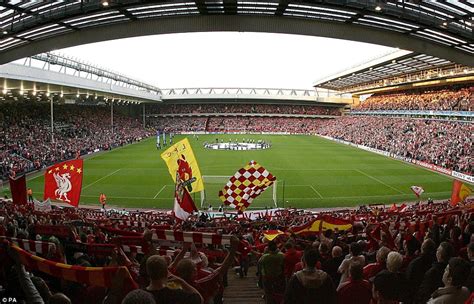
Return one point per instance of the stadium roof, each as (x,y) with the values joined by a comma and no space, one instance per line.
(440,28)
(388,69)
(56,75)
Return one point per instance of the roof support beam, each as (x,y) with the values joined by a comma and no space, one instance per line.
(282,6)
(237,23)
(230,7)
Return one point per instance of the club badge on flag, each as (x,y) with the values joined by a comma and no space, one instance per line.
(184,205)
(245,185)
(180,158)
(459,192)
(63,182)
(417,190)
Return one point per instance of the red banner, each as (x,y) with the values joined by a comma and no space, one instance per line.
(63,182)
(18,189)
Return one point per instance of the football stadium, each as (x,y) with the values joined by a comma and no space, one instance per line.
(228,151)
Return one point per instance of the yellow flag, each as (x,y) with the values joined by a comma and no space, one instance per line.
(183,165)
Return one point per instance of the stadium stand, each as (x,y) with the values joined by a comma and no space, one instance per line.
(453,98)
(236,124)
(124,243)
(443,143)
(110,256)
(245,108)
(25,141)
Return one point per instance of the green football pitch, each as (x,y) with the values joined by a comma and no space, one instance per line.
(311,172)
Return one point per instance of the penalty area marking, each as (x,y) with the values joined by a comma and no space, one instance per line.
(378,180)
(103,177)
(160,191)
(316,191)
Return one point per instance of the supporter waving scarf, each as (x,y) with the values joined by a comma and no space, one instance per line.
(120,232)
(94,276)
(60,231)
(38,247)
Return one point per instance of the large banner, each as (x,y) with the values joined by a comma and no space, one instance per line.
(183,165)
(63,182)
(18,189)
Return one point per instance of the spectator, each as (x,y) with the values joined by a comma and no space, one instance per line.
(454,277)
(139,296)
(332,265)
(310,285)
(470,255)
(356,290)
(157,270)
(420,265)
(383,291)
(433,278)
(401,286)
(371,270)
(292,257)
(272,266)
(354,256)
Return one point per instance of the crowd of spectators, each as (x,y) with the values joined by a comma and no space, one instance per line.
(25,134)
(178,124)
(451,98)
(292,125)
(446,144)
(245,109)
(423,253)
(263,124)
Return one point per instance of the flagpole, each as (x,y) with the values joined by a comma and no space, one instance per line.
(143,115)
(283,194)
(112,115)
(52,119)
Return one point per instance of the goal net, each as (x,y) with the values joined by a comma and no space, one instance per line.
(215,183)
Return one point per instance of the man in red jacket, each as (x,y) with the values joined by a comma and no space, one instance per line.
(356,290)
(292,257)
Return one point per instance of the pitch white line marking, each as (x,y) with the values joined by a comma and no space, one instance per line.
(159,191)
(40,174)
(378,180)
(319,194)
(87,157)
(103,177)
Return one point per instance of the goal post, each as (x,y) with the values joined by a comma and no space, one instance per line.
(215,183)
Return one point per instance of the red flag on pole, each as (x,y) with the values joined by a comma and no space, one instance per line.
(63,182)
(18,189)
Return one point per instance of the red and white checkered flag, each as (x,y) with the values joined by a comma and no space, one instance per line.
(245,185)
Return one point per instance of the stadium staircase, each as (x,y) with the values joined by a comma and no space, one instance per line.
(243,290)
